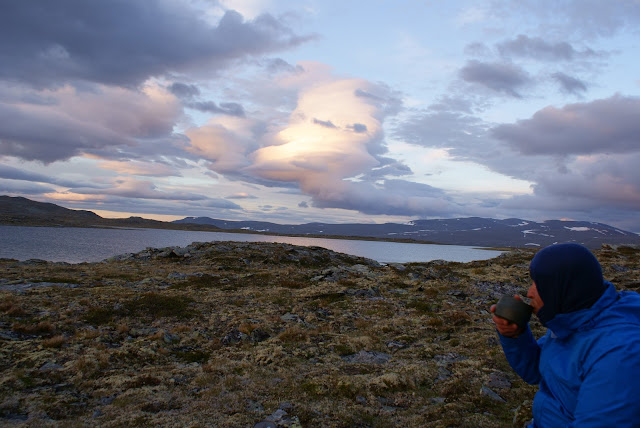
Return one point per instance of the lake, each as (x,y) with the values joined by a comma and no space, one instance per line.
(76,245)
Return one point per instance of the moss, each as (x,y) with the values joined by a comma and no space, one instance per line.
(99,316)
(160,305)
(192,355)
(421,306)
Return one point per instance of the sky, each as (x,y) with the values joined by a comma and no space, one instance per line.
(298,111)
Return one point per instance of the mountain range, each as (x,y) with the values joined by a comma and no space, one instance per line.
(474,231)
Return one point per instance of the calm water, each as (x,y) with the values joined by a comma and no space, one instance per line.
(75,245)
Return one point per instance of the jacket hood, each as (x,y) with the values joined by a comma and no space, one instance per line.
(568,278)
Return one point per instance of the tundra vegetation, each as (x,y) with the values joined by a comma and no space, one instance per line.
(231,334)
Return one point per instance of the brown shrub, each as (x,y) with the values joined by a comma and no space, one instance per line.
(54,342)
(41,328)
(293,335)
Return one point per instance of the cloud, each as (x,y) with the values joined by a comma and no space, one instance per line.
(12,173)
(540,49)
(333,162)
(438,127)
(393,197)
(579,158)
(134,189)
(125,43)
(129,187)
(333,135)
(231,109)
(226,142)
(600,186)
(568,84)
(581,19)
(326,124)
(134,167)
(19,187)
(78,122)
(602,126)
(241,195)
(183,90)
(502,77)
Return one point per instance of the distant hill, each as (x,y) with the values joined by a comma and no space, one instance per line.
(475,231)
(19,211)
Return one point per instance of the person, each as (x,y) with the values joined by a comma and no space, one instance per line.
(587,364)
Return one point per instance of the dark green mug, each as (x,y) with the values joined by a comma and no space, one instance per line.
(513,310)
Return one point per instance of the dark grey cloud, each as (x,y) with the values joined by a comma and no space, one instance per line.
(241,196)
(51,136)
(303,204)
(392,197)
(122,42)
(98,123)
(19,187)
(608,189)
(220,203)
(540,49)
(209,207)
(389,167)
(231,109)
(140,189)
(569,84)
(358,127)
(603,126)
(183,90)
(324,123)
(500,77)
(12,173)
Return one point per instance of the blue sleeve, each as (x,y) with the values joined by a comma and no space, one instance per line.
(608,395)
(523,354)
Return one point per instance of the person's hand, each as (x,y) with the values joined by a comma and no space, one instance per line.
(505,327)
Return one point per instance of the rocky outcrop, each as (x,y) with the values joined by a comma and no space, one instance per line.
(263,335)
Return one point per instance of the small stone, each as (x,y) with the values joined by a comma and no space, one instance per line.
(290,318)
(234,336)
(50,366)
(498,380)
(171,338)
(446,359)
(393,345)
(491,394)
(367,357)
(443,374)
(254,406)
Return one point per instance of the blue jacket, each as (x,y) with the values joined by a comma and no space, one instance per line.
(587,364)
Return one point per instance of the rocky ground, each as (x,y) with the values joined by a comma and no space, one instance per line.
(266,335)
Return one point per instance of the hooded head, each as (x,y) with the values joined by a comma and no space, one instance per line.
(568,278)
